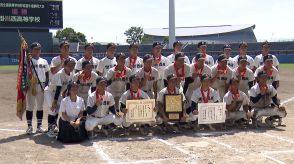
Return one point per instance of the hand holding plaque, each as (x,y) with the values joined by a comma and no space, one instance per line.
(173,106)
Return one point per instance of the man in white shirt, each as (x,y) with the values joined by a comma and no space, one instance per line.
(243,47)
(227,50)
(202,49)
(134,62)
(88,56)
(177,48)
(108,61)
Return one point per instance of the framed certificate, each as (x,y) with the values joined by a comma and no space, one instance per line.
(173,106)
(210,113)
(140,111)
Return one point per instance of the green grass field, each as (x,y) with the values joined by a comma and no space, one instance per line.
(15,67)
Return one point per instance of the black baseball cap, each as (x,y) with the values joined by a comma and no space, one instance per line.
(155,44)
(64,43)
(227,46)
(36,45)
(221,58)
(69,61)
(266,43)
(179,55)
(268,57)
(100,79)
(120,55)
(109,45)
(133,77)
(243,43)
(171,76)
(261,73)
(240,58)
(202,43)
(176,43)
(204,77)
(147,57)
(89,45)
(133,46)
(200,56)
(85,63)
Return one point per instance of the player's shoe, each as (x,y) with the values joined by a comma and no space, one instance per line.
(104,130)
(144,130)
(280,122)
(211,127)
(51,133)
(40,129)
(269,122)
(29,130)
(91,135)
(55,129)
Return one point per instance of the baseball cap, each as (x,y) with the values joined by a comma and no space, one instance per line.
(227,46)
(147,57)
(204,77)
(69,61)
(133,77)
(109,45)
(89,45)
(171,76)
(202,43)
(35,45)
(267,57)
(179,55)
(100,79)
(200,56)
(155,44)
(133,46)
(120,55)
(240,58)
(243,43)
(177,42)
(221,58)
(266,43)
(85,63)
(64,43)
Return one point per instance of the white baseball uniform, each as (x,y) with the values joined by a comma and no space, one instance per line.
(171,58)
(221,81)
(164,62)
(182,72)
(258,60)
(57,61)
(245,78)
(137,64)
(250,61)
(93,60)
(232,63)
(274,76)
(153,77)
(105,64)
(208,60)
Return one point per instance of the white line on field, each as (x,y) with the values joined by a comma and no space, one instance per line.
(279,138)
(279,152)
(288,100)
(101,153)
(273,159)
(12,130)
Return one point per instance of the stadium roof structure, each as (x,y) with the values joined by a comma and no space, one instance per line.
(198,30)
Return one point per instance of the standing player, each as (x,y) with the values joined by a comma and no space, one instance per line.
(86,79)
(264,102)
(108,61)
(244,75)
(149,77)
(203,94)
(237,104)
(100,109)
(221,75)
(35,94)
(202,49)
(243,47)
(57,62)
(177,48)
(265,48)
(55,91)
(272,73)
(88,56)
(160,62)
(227,52)
(133,61)
(119,77)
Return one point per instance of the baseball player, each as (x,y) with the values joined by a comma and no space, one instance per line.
(57,62)
(134,62)
(108,61)
(202,49)
(134,93)
(88,56)
(203,94)
(86,79)
(221,75)
(264,102)
(178,46)
(273,76)
(54,92)
(244,75)
(196,71)
(149,77)
(243,52)
(227,52)
(100,109)
(265,48)
(119,76)
(35,94)
(237,104)
(160,62)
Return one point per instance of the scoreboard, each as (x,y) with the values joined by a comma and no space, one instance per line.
(33,14)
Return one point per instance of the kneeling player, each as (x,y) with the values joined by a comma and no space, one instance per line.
(264,102)
(100,109)
(237,103)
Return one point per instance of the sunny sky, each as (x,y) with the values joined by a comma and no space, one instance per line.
(106,20)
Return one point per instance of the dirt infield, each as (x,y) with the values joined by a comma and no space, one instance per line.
(231,146)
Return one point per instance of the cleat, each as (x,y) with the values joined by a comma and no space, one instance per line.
(29,130)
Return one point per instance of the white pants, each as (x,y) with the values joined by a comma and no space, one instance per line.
(93,122)
(35,101)
(192,117)
(237,115)
(268,111)
(160,85)
(49,97)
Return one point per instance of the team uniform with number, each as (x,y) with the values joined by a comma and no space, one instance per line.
(160,66)
(221,81)
(171,58)
(153,77)
(258,61)
(271,77)
(102,114)
(134,64)
(208,60)
(106,64)
(245,77)
(93,60)
(232,63)
(250,61)
(182,73)
(57,60)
